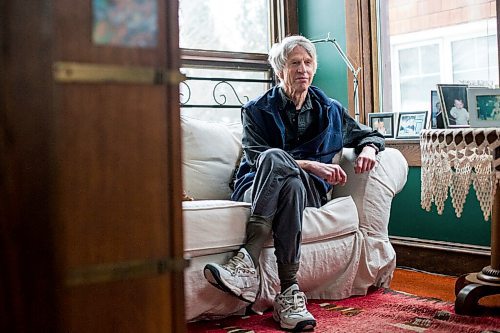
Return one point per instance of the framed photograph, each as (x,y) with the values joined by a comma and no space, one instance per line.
(410,124)
(484,107)
(436,118)
(454,103)
(383,123)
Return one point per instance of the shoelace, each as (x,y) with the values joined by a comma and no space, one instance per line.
(297,302)
(236,264)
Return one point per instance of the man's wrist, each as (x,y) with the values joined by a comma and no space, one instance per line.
(372,145)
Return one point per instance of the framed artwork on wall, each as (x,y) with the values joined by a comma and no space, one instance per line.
(454,104)
(383,123)
(410,124)
(484,107)
(132,23)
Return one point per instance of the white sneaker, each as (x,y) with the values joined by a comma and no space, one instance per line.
(238,276)
(291,312)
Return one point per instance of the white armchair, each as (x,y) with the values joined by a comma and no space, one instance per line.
(345,249)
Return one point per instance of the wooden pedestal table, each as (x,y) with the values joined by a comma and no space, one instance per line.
(472,287)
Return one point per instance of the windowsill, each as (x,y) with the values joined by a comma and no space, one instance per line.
(410,148)
(402,141)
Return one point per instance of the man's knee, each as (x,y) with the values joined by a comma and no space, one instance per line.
(277,158)
(274,153)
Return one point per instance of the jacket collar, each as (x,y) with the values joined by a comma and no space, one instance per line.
(272,100)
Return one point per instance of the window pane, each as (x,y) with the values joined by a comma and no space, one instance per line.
(493,53)
(474,60)
(429,57)
(419,60)
(219,92)
(463,54)
(419,73)
(409,62)
(225,25)
(471,76)
(429,42)
(415,93)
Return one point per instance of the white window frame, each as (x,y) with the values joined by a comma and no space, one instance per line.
(396,82)
(447,35)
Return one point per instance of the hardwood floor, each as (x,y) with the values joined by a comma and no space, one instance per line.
(432,285)
(424,284)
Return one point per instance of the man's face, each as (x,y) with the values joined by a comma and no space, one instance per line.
(299,70)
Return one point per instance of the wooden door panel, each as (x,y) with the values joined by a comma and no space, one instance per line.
(117,149)
(112,180)
(137,305)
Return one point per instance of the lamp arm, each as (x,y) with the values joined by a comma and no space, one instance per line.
(355,72)
(342,54)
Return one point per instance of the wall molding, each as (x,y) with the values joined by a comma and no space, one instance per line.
(440,257)
(441,245)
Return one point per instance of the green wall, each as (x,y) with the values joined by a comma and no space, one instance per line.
(408,219)
(316,19)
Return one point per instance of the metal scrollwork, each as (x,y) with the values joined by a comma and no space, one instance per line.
(224,96)
(220,100)
(184,100)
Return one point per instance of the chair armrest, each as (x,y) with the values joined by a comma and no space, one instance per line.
(373,191)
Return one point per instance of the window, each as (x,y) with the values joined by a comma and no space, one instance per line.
(225,25)
(475,58)
(224,45)
(427,43)
(221,97)
(416,75)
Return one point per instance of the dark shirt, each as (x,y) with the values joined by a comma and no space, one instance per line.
(300,125)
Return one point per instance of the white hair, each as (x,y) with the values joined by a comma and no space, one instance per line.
(279,52)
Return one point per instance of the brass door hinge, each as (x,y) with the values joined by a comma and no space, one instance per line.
(123,271)
(74,72)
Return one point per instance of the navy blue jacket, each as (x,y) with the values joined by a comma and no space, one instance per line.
(263,128)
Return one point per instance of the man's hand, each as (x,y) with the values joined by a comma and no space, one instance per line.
(332,173)
(366,160)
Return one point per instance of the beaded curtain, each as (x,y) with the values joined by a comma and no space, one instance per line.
(453,159)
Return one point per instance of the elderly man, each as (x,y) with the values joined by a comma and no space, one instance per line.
(290,136)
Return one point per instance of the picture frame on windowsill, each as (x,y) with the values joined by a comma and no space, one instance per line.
(484,107)
(382,122)
(436,116)
(410,124)
(454,104)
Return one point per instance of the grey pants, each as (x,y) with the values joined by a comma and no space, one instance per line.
(280,192)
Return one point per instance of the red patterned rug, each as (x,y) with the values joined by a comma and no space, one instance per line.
(383,311)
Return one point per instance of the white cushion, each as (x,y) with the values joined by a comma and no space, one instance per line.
(211,151)
(338,217)
(215,226)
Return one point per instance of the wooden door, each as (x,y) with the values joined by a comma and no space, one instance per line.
(90,160)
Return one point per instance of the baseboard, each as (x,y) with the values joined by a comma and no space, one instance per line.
(440,257)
